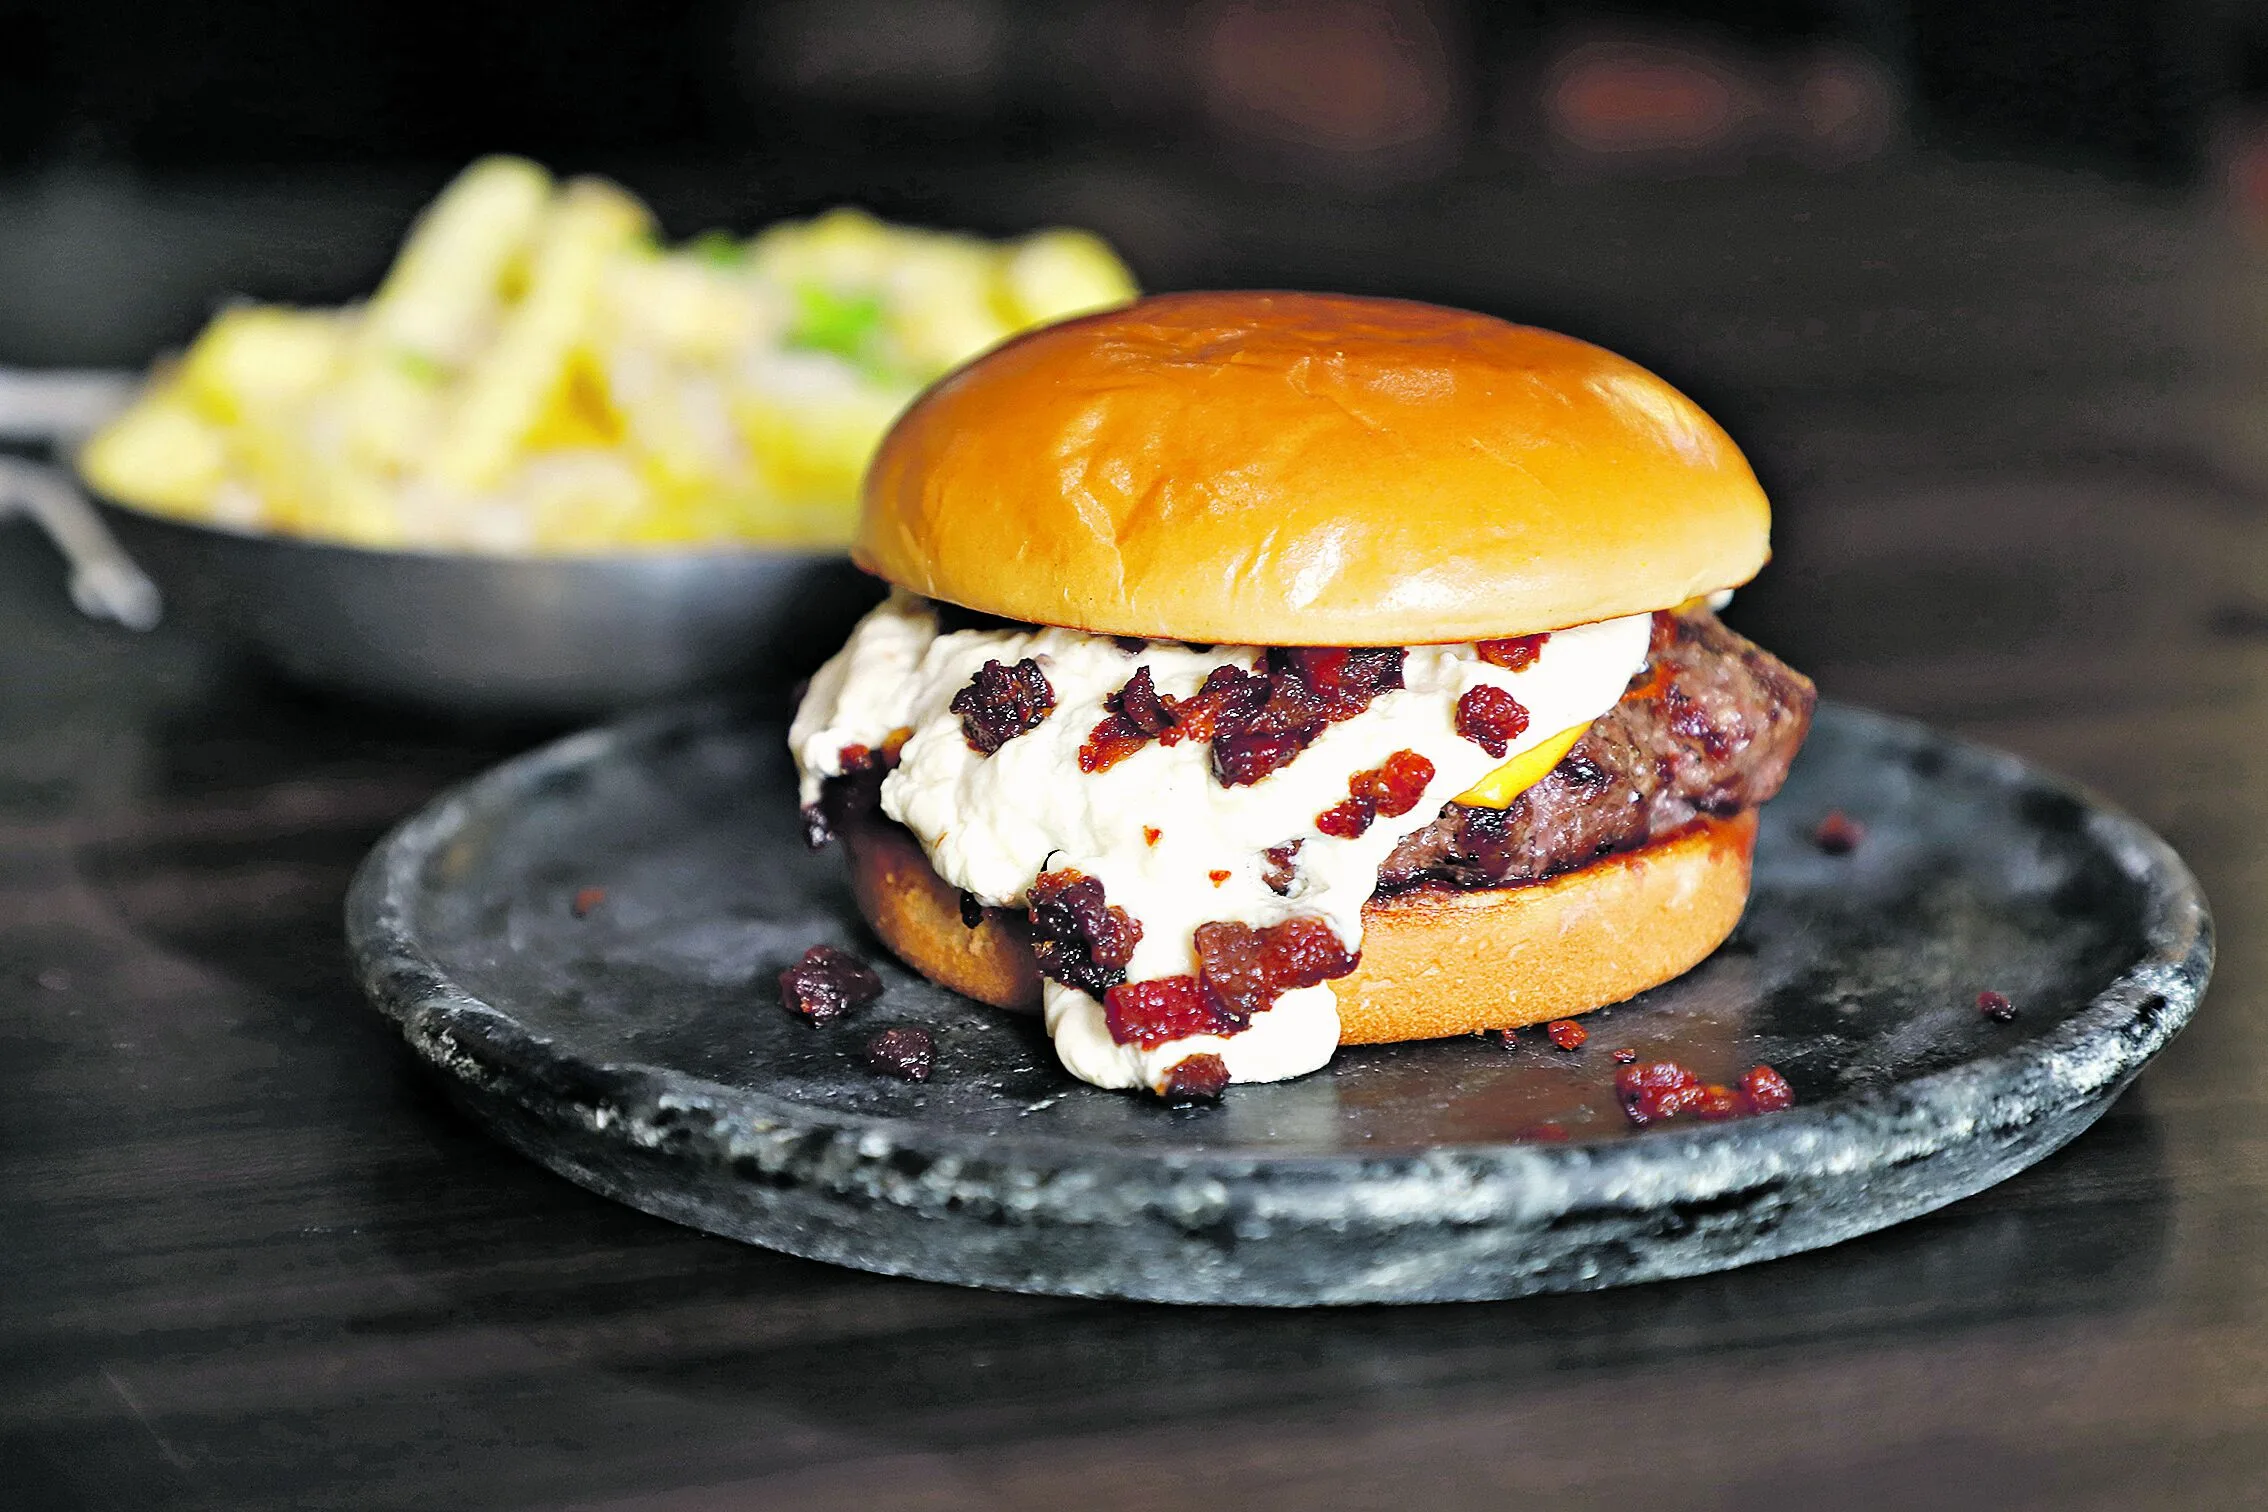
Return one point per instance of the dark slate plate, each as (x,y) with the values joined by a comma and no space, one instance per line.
(642,1052)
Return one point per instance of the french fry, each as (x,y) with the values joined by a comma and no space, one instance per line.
(693,309)
(387,414)
(508,386)
(812,447)
(677,424)
(271,459)
(844,247)
(161,454)
(1054,275)
(942,288)
(261,362)
(582,500)
(439,300)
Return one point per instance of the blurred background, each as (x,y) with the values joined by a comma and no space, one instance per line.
(1712,187)
(1513,155)
(1910,251)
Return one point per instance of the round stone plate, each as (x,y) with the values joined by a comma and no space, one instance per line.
(634,1042)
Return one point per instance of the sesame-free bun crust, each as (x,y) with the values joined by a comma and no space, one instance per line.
(1438,961)
(919,917)
(1308,469)
(1435,961)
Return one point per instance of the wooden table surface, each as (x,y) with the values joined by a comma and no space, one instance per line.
(2015,425)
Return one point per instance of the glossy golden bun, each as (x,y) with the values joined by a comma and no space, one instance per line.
(1308,469)
(1435,962)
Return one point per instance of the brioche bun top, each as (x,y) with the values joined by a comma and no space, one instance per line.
(1308,469)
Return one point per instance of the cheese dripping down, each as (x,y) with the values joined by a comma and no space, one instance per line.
(991,824)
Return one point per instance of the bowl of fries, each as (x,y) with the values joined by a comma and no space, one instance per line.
(554,464)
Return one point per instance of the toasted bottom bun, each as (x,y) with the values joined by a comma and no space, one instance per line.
(1435,961)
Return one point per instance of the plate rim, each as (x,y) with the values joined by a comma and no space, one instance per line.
(2095,1048)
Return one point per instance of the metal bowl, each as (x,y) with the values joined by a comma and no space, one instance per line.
(502,635)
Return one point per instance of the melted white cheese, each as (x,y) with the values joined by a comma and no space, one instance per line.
(992,824)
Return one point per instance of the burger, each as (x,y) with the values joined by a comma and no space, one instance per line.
(1266,672)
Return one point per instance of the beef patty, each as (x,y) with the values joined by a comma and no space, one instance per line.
(1708,726)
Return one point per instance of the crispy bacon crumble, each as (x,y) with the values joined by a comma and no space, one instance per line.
(1001,703)
(1491,718)
(1662,1090)
(1392,789)
(1200,1078)
(1165,1009)
(1081,939)
(1515,653)
(903,1051)
(827,983)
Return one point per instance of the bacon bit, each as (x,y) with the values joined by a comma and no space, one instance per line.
(1567,1034)
(1151,835)
(1247,755)
(1138,714)
(1229,963)
(1276,867)
(854,790)
(1198,1078)
(1304,952)
(827,982)
(1290,699)
(972,912)
(1344,678)
(1652,679)
(1509,1038)
(1623,1056)
(1001,703)
(1395,787)
(1164,1009)
(1838,834)
(1132,645)
(1516,654)
(1219,876)
(1649,683)
(903,1051)
(1248,968)
(1491,718)
(1392,789)
(858,760)
(1110,742)
(1997,1007)
(1656,1090)
(1141,704)
(1255,720)
(1767,1090)
(1081,940)
(1227,691)
(1664,1090)
(1323,669)
(586,900)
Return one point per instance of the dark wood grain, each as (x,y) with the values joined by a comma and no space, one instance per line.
(248,1258)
